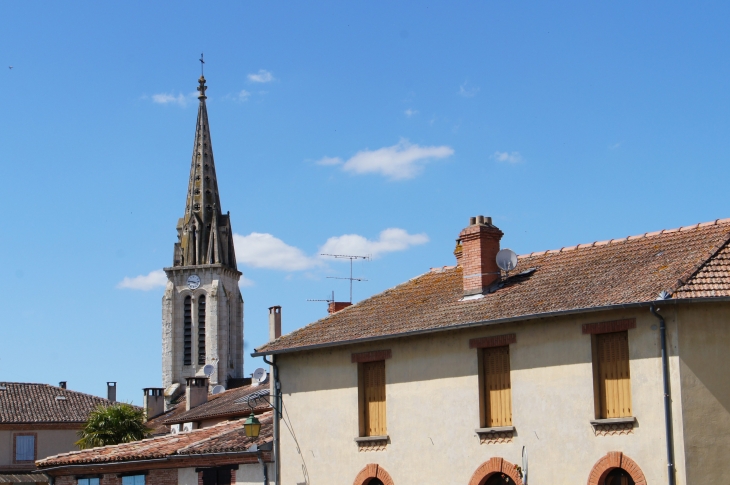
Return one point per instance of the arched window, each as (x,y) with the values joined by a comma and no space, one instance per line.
(187,332)
(619,476)
(201,330)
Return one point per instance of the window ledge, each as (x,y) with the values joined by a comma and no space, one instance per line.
(626,420)
(497,429)
(369,439)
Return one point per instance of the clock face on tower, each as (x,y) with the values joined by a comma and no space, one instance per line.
(193,281)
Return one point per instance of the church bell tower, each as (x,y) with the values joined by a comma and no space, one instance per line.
(202,309)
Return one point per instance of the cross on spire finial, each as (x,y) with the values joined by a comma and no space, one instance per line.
(202,63)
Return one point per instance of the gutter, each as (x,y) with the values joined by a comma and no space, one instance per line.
(481,323)
(667,397)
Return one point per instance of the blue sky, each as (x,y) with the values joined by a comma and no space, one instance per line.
(375,127)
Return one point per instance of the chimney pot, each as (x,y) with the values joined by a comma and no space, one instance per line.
(62,384)
(274,322)
(196,392)
(479,248)
(153,401)
(111,391)
(472,221)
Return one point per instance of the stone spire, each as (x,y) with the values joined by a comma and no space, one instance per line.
(204,232)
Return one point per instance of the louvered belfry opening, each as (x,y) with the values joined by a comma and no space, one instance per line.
(201,330)
(614,381)
(372,399)
(497,386)
(187,331)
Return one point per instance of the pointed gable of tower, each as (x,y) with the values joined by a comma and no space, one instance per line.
(204,232)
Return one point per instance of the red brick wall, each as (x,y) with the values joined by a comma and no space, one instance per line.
(480,245)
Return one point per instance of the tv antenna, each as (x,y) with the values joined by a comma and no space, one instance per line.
(351,258)
(328,300)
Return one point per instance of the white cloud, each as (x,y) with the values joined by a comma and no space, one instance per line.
(393,239)
(243,95)
(244,282)
(261,250)
(401,161)
(329,161)
(468,91)
(410,112)
(155,279)
(168,98)
(263,76)
(513,157)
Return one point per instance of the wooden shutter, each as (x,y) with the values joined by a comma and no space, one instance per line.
(497,387)
(614,382)
(374,397)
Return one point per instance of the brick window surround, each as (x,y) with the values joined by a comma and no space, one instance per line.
(609,327)
(372,356)
(371,471)
(613,460)
(496,465)
(496,341)
(35,448)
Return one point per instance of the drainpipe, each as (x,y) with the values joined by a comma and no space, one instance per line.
(667,397)
(263,464)
(277,414)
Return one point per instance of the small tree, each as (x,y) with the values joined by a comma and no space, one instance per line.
(111,425)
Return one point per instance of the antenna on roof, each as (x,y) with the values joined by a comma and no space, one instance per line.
(328,300)
(351,258)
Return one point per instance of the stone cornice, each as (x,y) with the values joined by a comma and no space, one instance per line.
(199,267)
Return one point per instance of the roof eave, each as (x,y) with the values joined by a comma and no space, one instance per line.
(533,316)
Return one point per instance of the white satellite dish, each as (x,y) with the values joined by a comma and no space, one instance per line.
(208,370)
(506,259)
(259,375)
(217,389)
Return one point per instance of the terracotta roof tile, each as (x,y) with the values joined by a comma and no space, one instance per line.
(220,405)
(22,402)
(619,271)
(226,436)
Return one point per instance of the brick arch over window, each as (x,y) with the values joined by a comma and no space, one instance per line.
(495,465)
(373,471)
(615,459)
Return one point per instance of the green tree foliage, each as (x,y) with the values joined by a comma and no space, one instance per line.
(111,425)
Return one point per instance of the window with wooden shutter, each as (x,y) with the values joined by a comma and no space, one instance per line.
(187,332)
(613,381)
(372,399)
(496,387)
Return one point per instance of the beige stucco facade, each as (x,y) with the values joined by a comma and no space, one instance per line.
(48,442)
(432,399)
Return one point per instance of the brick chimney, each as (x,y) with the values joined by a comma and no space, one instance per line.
(274,322)
(479,243)
(153,402)
(336,306)
(196,392)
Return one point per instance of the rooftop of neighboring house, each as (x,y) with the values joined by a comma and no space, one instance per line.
(228,404)
(22,402)
(224,437)
(691,262)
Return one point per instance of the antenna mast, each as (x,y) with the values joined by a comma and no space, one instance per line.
(351,258)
